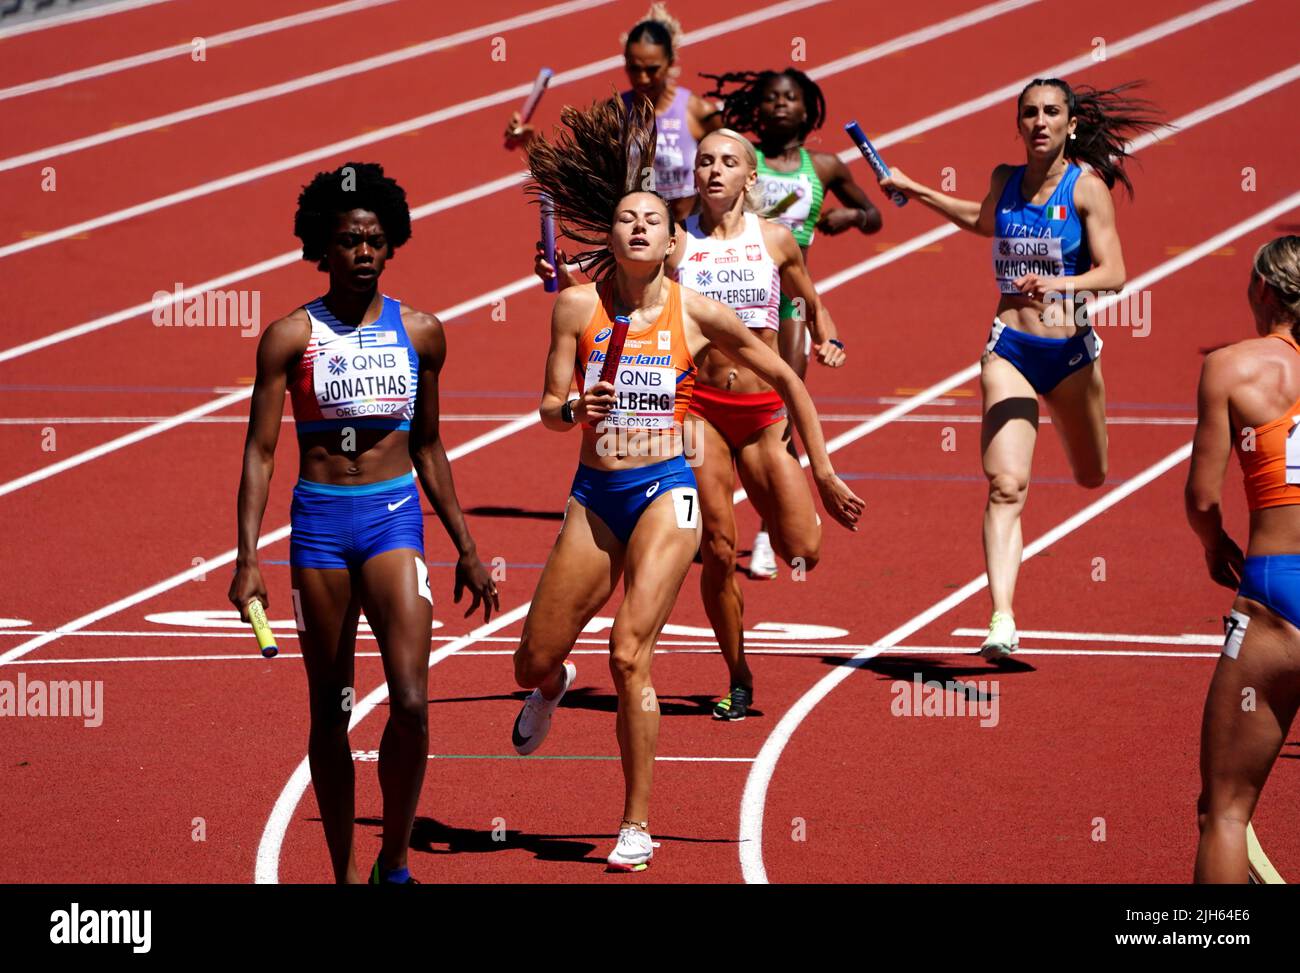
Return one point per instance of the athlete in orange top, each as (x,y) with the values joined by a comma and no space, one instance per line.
(1249,399)
(634,508)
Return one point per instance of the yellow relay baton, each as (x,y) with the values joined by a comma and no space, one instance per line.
(262,629)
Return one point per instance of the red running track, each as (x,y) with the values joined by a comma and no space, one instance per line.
(196,725)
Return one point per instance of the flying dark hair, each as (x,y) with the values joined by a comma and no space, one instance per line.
(600,155)
(356,185)
(741,104)
(1108,121)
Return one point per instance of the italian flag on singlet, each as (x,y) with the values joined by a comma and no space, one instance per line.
(1056,213)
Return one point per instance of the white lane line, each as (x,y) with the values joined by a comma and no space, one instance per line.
(754,798)
(848,651)
(293,256)
(184,49)
(342,72)
(76,16)
(121,442)
(1139,283)
(825,417)
(199,570)
(899,43)
(478,192)
(459,110)
(755,794)
(1190,120)
(1185,639)
(197,413)
(267,867)
(1083,62)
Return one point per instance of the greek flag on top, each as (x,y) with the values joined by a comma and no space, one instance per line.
(1049,240)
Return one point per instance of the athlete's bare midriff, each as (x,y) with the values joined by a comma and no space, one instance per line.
(720,372)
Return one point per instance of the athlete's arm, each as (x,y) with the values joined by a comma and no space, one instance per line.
(572,310)
(1097,210)
(1211,447)
(857,211)
(975,216)
(281,344)
(705,116)
(432,467)
(726,332)
(797,285)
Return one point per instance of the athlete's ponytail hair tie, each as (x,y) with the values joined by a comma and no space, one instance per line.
(1108,120)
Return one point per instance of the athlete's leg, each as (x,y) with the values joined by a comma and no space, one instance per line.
(659,554)
(395,594)
(578,579)
(329,609)
(720,591)
(1248,711)
(778,488)
(1078,407)
(1007,436)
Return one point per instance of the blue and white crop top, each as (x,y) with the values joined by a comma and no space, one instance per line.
(362,377)
(1049,240)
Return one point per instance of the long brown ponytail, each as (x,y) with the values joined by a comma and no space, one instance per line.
(1108,121)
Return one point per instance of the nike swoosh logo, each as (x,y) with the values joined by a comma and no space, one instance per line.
(518,740)
(394,506)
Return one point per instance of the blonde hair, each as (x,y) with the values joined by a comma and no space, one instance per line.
(755,202)
(1277,263)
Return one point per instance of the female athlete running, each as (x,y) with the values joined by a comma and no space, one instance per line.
(737,420)
(1249,399)
(681,118)
(1055,241)
(362,372)
(634,510)
(780,110)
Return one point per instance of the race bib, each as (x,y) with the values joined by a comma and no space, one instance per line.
(644,395)
(352,382)
(686,504)
(1017,256)
(1234,633)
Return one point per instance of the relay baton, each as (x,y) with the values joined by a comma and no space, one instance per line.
(873,159)
(790,199)
(262,629)
(615,353)
(548,242)
(539,87)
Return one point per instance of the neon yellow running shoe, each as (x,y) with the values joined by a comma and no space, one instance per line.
(1002,639)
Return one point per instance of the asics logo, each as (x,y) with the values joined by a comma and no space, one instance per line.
(653,489)
(394,506)
(1076,359)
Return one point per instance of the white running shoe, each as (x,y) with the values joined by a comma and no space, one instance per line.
(633,851)
(534,720)
(762,562)
(1002,640)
